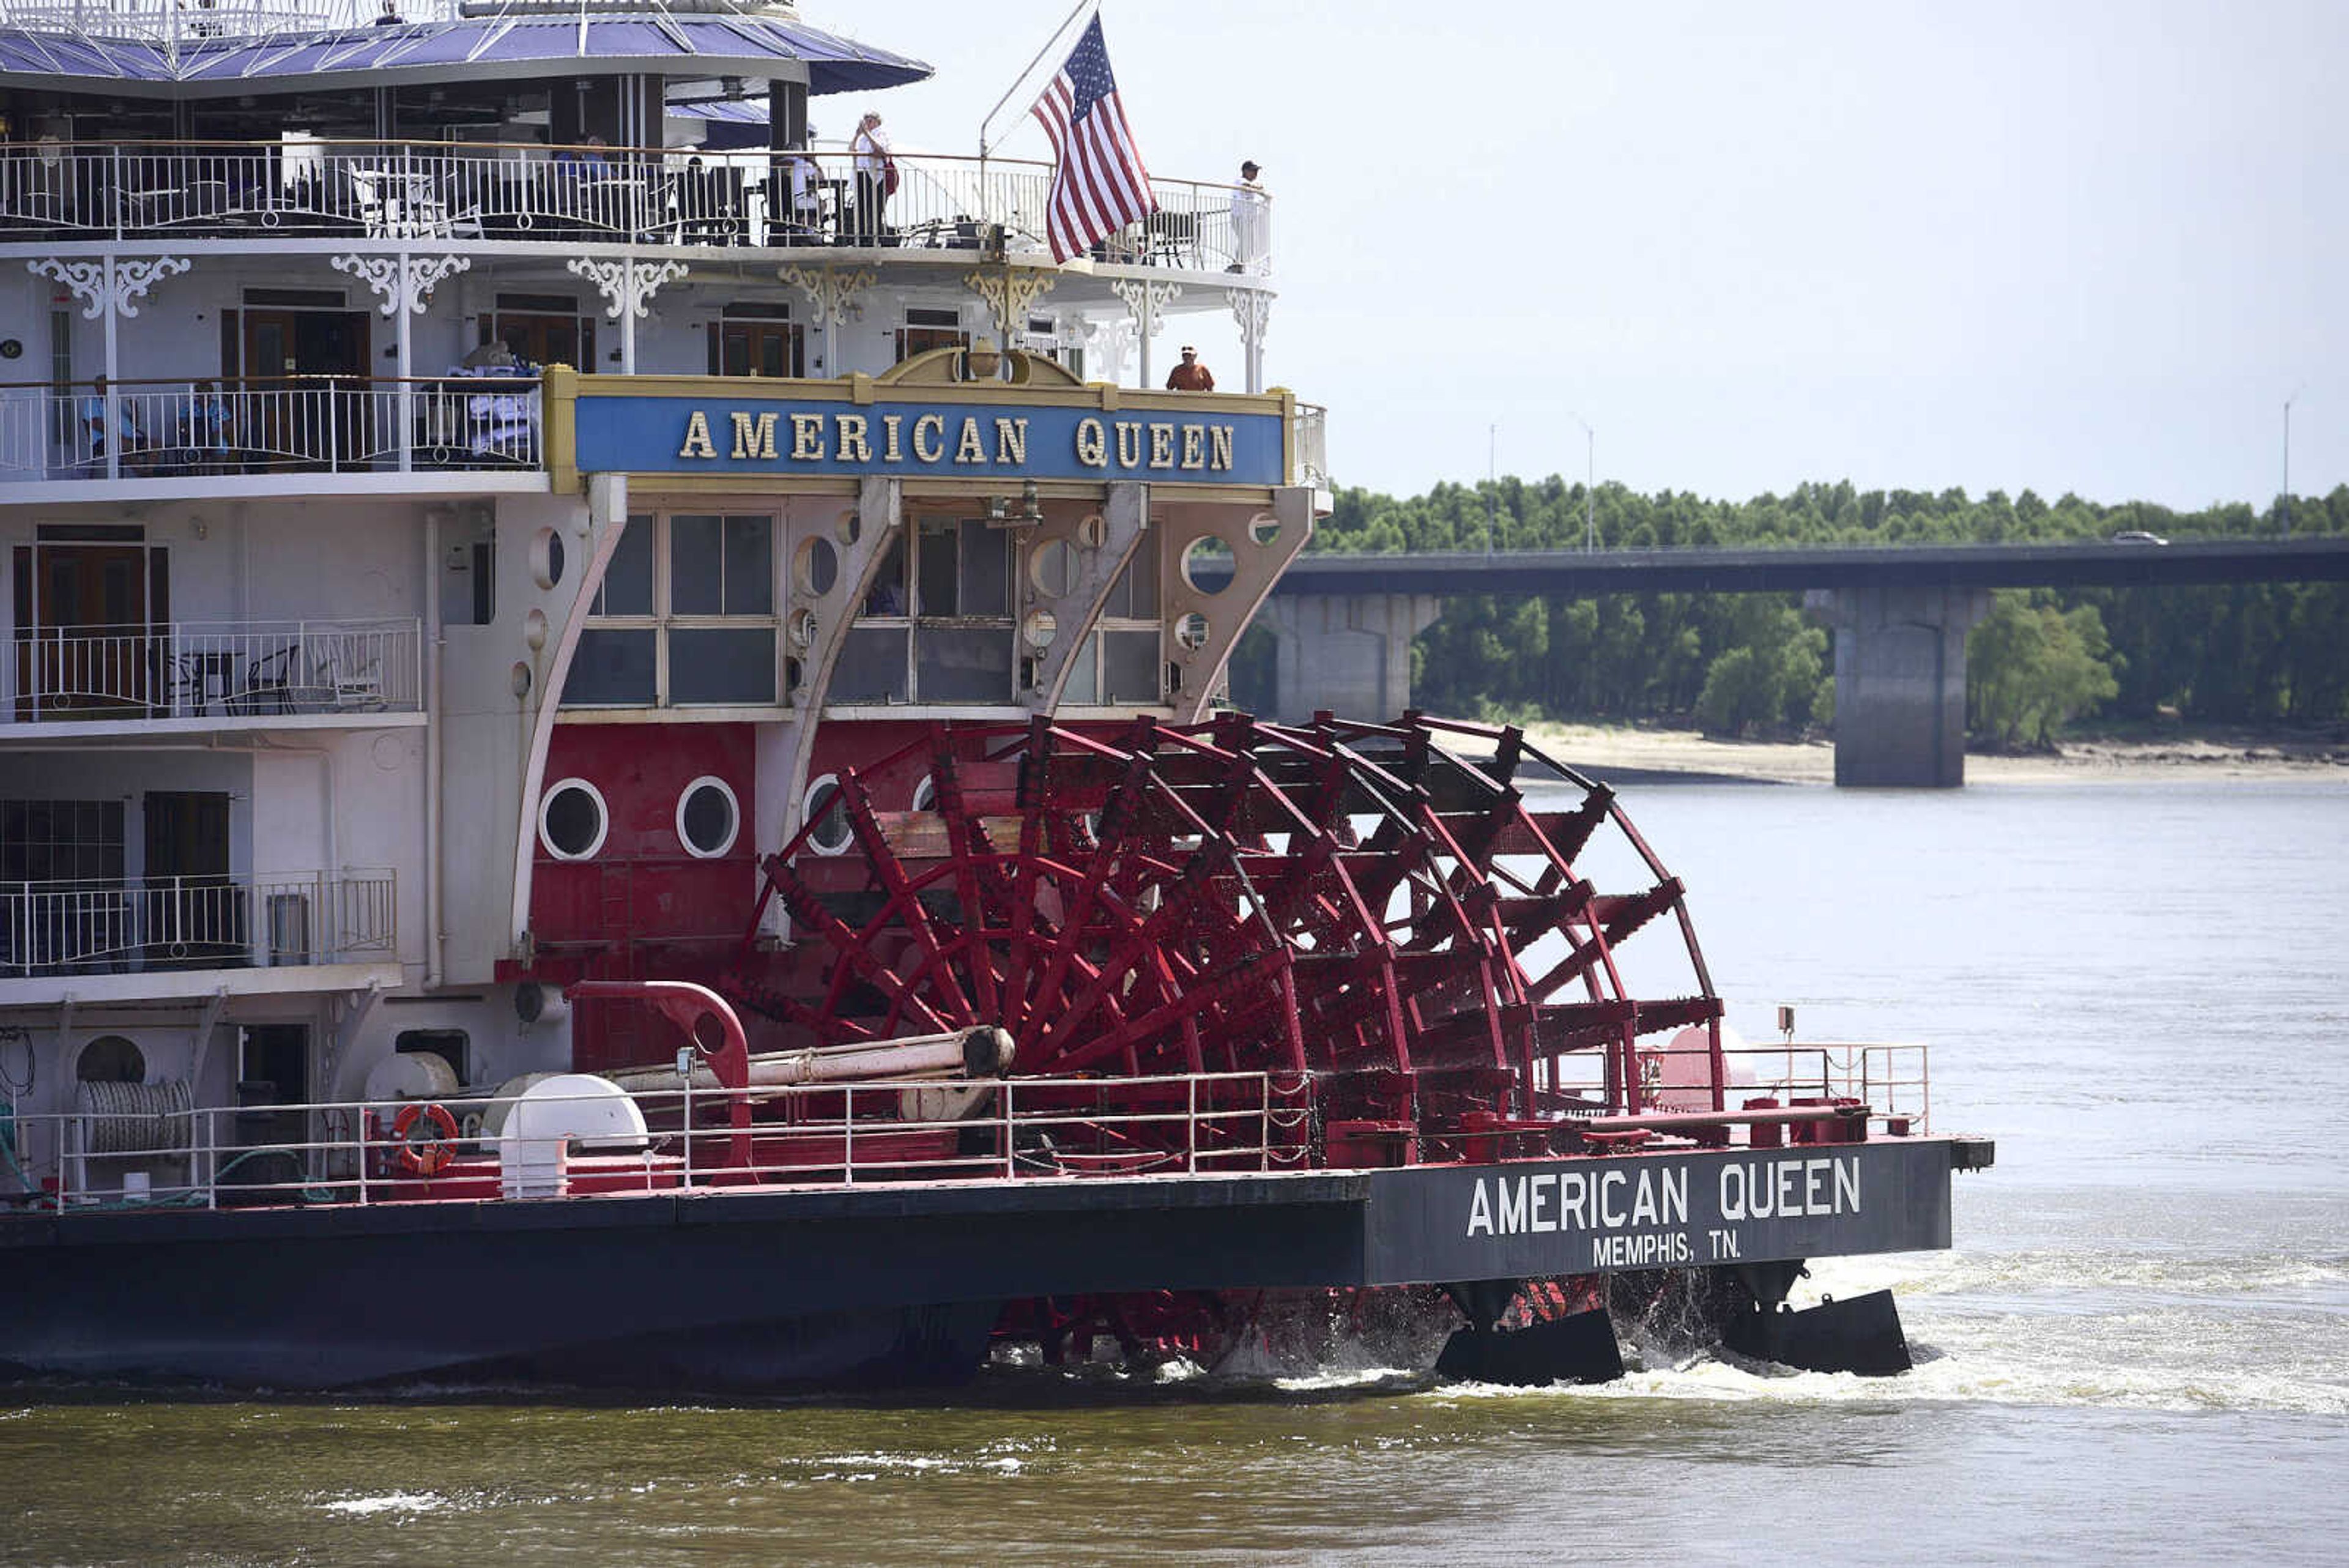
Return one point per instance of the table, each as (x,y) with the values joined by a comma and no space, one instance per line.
(207,676)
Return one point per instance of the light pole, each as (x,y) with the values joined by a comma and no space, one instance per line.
(1492,483)
(1589,482)
(2284,500)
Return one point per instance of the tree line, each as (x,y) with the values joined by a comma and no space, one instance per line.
(1748,664)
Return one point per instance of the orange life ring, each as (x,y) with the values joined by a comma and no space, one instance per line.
(424,1157)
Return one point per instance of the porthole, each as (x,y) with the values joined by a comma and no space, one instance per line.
(111,1059)
(1206,549)
(1040,629)
(573,820)
(1264,528)
(1193,631)
(925,794)
(827,809)
(709,818)
(1054,568)
(546,557)
(818,567)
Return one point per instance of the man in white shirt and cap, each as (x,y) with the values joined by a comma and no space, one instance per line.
(1251,221)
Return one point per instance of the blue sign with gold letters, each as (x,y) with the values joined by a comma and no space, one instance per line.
(929,441)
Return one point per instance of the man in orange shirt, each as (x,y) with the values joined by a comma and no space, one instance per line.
(1190,376)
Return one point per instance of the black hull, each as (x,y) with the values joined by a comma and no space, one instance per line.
(843,1287)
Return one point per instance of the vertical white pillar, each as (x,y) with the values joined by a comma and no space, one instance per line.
(407,398)
(1149,328)
(629,296)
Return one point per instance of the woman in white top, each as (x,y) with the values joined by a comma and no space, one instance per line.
(872,150)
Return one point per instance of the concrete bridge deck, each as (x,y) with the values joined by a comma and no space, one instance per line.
(1901,613)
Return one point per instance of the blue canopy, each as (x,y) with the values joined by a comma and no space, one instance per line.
(659,43)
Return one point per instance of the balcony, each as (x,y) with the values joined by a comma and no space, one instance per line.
(209,674)
(300,425)
(166,924)
(409,191)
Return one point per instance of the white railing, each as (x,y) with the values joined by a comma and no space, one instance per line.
(129,430)
(1893,1081)
(830,1136)
(236,670)
(415,190)
(194,922)
(177,22)
(1312,443)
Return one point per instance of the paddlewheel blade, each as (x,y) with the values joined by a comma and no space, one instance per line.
(1393,909)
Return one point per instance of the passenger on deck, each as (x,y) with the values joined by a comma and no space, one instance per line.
(873,167)
(1190,376)
(1251,210)
(805,198)
(95,427)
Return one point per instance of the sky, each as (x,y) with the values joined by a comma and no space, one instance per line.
(2076,245)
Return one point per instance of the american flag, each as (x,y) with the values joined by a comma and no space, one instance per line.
(1098,185)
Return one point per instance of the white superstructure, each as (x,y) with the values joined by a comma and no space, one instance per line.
(380,654)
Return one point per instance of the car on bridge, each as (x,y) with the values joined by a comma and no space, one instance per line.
(2138,537)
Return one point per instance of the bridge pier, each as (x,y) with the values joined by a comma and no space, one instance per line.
(1348,653)
(1900,681)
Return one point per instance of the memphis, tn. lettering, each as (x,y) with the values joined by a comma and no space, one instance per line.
(1637,1217)
(938,440)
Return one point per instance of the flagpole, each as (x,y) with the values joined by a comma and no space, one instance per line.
(1025,71)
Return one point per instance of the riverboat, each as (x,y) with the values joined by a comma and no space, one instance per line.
(613,769)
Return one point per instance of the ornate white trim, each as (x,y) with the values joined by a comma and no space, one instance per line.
(1110,340)
(1009,292)
(836,293)
(403,281)
(109,282)
(627,287)
(1252,311)
(1145,301)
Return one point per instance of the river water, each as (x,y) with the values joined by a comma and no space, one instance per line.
(2139,1346)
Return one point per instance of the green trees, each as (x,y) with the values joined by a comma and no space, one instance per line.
(2031,666)
(1771,674)
(1743,664)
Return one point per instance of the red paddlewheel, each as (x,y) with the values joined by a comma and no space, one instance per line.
(1349,900)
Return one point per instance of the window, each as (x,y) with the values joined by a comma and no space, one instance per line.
(1120,664)
(684,616)
(61,841)
(709,817)
(61,377)
(936,625)
(754,339)
(543,329)
(926,328)
(573,820)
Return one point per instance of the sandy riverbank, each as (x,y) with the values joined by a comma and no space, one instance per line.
(2203,755)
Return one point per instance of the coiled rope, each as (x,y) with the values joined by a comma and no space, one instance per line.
(136,1119)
